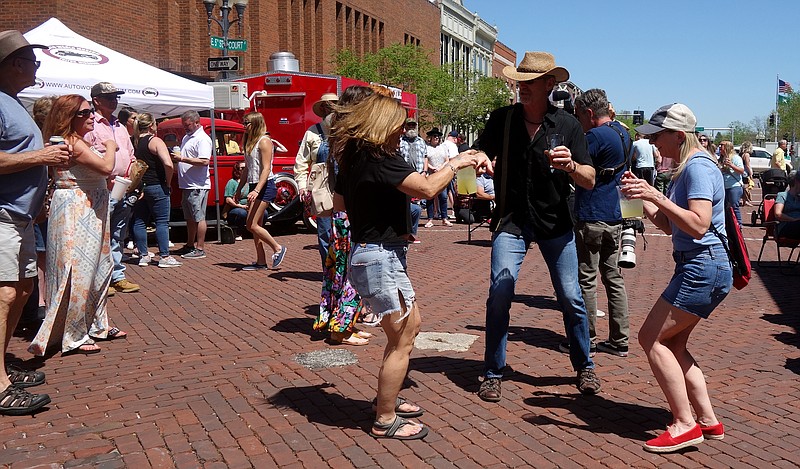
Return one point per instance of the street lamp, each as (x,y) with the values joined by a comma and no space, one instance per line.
(224,23)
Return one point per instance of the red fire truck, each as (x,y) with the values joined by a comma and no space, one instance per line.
(285,98)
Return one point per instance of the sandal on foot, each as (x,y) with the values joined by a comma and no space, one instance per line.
(363,334)
(87,348)
(115,333)
(353,339)
(391,429)
(17,401)
(23,378)
(397,403)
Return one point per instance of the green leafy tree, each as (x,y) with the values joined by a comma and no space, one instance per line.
(447,95)
(742,132)
(789,116)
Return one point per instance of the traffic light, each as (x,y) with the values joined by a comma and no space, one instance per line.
(638,117)
(772,119)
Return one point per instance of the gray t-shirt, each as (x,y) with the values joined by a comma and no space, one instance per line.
(21,193)
(643,153)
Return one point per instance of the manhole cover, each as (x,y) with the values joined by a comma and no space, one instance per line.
(327,358)
(443,341)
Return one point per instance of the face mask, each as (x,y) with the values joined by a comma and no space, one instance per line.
(411,133)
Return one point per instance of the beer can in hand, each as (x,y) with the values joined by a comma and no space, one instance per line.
(56,140)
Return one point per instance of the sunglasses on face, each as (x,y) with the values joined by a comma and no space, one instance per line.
(703,139)
(85,112)
(36,63)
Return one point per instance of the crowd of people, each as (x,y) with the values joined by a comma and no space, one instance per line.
(533,159)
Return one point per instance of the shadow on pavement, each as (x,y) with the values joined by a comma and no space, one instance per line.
(533,336)
(324,407)
(294,326)
(600,415)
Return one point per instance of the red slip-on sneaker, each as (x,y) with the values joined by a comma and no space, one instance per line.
(665,443)
(713,432)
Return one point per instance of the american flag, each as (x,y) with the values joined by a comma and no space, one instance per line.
(784,87)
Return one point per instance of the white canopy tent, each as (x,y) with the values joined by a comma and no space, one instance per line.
(74,63)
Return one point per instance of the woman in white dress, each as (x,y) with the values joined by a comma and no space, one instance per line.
(79,264)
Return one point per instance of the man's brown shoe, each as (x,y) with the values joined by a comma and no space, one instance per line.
(490,390)
(125,286)
(111,291)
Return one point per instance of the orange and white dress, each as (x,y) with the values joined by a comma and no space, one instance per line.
(78,268)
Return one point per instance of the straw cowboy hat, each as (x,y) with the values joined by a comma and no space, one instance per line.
(534,65)
(326,98)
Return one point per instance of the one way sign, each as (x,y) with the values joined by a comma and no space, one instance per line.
(223,64)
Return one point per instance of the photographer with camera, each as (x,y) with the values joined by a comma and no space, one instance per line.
(600,223)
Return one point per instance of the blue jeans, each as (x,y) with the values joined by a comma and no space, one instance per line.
(155,204)
(732,196)
(416,212)
(442,198)
(561,257)
(323,237)
(120,214)
(238,217)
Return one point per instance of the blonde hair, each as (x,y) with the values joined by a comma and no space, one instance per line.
(746,147)
(688,148)
(367,125)
(254,131)
(142,125)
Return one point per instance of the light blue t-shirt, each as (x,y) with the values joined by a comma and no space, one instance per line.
(731,177)
(21,193)
(643,153)
(700,179)
(791,206)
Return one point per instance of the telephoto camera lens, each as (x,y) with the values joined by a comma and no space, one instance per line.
(627,255)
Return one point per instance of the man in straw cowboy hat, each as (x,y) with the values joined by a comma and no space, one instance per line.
(314,149)
(532,184)
(23,184)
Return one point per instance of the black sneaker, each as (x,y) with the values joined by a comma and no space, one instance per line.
(195,254)
(608,347)
(588,382)
(490,390)
(564,347)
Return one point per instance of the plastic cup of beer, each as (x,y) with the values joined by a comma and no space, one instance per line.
(553,141)
(466,181)
(631,208)
(121,185)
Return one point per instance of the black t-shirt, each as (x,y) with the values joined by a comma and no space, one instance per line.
(534,195)
(377,210)
(155,174)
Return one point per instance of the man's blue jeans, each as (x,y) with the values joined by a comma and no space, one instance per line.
(120,214)
(416,212)
(559,254)
(323,237)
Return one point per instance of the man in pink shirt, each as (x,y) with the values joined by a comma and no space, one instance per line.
(105,98)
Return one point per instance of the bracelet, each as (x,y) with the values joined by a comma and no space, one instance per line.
(455,171)
(574,168)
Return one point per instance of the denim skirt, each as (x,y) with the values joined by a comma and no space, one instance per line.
(703,278)
(378,273)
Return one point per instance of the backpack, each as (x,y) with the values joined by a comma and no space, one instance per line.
(736,248)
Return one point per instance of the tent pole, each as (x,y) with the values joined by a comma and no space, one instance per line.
(216,177)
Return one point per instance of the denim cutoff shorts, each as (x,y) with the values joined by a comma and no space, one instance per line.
(268,192)
(378,273)
(702,279)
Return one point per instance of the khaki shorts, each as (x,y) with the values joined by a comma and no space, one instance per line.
(193,202)
(17,248)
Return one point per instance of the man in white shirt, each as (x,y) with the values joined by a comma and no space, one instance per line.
(194,182)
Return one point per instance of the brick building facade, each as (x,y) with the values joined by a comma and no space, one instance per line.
(173,34)
(503,56)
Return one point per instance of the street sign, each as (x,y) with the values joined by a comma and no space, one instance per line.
(699,129)
(239,45)
(223,64)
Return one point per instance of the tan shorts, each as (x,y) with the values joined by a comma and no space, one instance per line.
(17,248)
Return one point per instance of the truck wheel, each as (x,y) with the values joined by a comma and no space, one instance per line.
(287,191)
(310,222)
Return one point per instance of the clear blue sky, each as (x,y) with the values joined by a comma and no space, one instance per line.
(720,58)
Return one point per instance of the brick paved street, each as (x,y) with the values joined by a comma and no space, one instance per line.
(208,377)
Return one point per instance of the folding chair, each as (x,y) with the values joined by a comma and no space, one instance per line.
(770,227)
(482,215)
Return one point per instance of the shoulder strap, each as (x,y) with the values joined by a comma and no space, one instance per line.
(501,201)
(626,163)
(321,132)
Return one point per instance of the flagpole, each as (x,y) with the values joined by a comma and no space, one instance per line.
(777,90)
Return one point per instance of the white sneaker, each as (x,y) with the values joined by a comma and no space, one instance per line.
(600,313)
(167,262)
(144,261)
(171,245)
(129,245)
